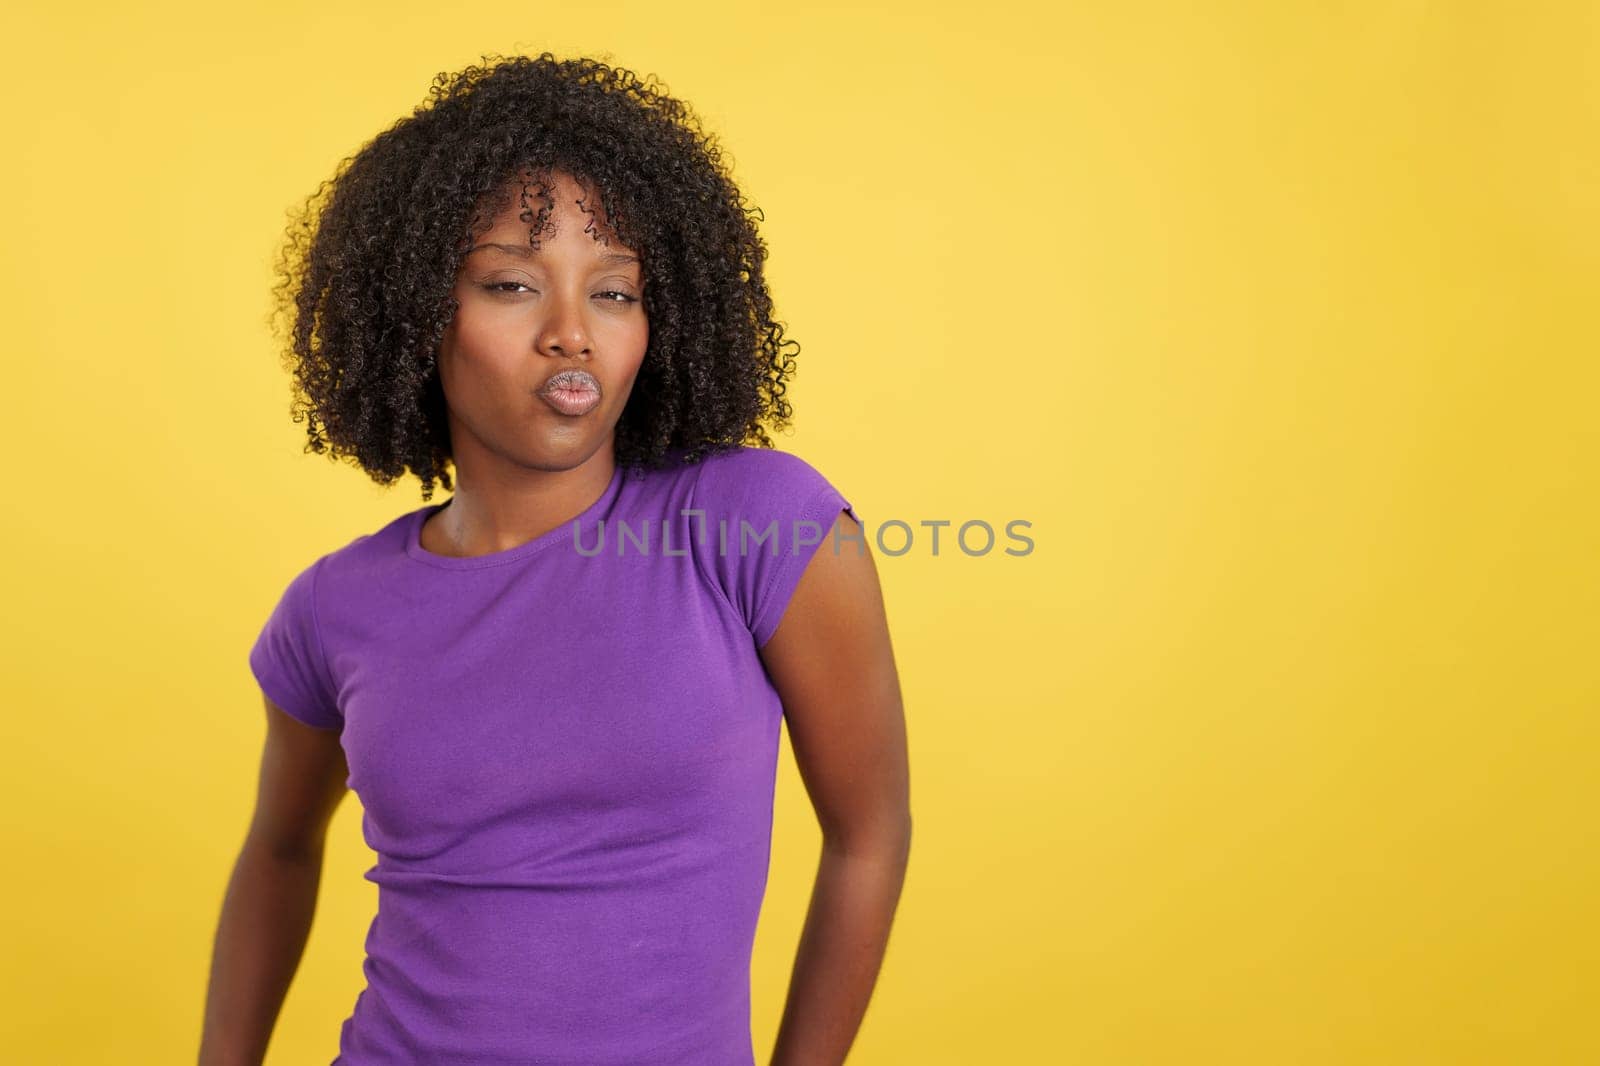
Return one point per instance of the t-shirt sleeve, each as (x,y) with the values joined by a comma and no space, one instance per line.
(288,659)
(765,515)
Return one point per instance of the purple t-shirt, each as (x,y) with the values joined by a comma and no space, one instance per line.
(565,753)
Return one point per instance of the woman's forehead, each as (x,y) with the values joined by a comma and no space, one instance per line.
(568,206)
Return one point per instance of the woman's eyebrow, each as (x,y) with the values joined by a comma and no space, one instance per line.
(522,251)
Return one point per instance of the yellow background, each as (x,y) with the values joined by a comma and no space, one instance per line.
(1275,320)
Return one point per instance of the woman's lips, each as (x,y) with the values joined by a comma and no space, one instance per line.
(571,392)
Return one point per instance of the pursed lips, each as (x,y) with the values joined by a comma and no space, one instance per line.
(571,392)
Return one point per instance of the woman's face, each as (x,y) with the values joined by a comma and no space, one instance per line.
(571,307)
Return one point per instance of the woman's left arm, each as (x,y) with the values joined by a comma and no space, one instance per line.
(832,664)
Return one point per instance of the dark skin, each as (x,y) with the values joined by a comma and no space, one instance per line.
(524,469)
(833,667)
(272,894)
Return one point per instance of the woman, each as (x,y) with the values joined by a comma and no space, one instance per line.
(558,693)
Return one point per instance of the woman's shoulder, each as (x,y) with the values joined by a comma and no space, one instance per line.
(361,556)
(767,512)
(748,474)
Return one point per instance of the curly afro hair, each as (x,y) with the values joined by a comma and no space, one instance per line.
(366,273)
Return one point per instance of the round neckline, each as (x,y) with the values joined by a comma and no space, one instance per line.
(559,535)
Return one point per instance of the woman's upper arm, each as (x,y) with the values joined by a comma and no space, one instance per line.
(831,660)
(303,777)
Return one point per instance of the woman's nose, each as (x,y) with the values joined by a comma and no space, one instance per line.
(564,332)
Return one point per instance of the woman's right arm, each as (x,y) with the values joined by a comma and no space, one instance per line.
(272,895)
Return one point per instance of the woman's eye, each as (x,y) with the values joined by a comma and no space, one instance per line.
(510,287)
